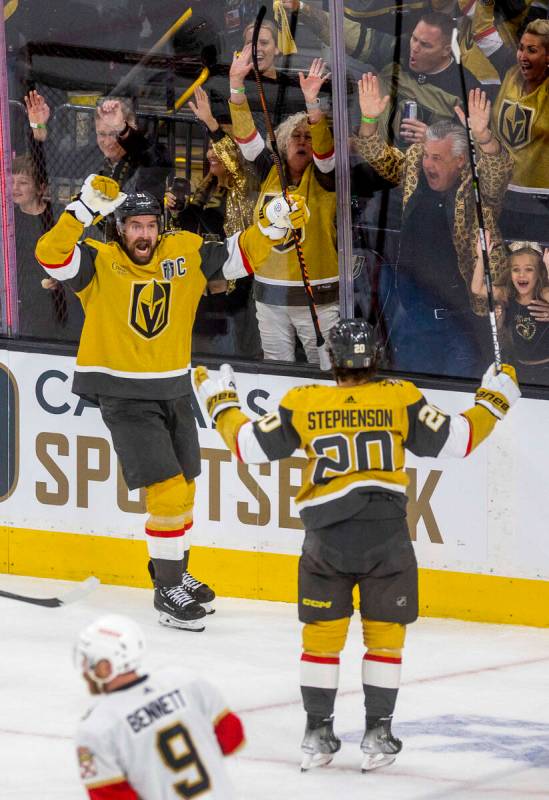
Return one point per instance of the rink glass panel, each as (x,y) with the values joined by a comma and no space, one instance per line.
(72,53)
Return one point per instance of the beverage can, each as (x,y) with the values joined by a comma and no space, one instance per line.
(410,110)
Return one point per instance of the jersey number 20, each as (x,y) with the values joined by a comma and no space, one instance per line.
(372,450)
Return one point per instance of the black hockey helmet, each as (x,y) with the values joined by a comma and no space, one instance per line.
(353,344)
(138,204)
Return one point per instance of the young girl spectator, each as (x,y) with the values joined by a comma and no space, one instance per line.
(522,295)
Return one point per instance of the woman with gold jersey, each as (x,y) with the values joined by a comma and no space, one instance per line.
(306,147)
(520,118)
(140,295)
(353,506)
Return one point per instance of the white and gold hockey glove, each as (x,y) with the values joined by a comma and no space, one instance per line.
(98,197)
(498,390)
(276,216)
(217,394)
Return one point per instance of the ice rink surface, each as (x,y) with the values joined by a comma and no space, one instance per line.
(473,710)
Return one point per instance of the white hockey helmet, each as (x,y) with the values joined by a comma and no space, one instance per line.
(113,638)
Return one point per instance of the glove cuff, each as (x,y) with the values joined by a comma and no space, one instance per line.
(81,212)
(272,232)
(221,402)
(495,402)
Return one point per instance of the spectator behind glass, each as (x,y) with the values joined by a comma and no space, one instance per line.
(306,148)
(51,314)
(435,330)
(282,93)
(221,205)
(521,120)
(121,151)
(522,293)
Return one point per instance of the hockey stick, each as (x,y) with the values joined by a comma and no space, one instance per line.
(78,593)
(324,357)
(480,216)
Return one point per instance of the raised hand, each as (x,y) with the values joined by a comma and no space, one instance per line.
(489,243)
(372,105)
(39,113)
(240,66)
(290,5)
(479,114)
(202,108)
(37,108)
(316,77)
(110,112)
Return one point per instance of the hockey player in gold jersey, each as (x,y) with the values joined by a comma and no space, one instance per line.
(140,295)
(353,507)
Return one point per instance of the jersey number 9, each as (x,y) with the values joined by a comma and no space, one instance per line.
(179,753)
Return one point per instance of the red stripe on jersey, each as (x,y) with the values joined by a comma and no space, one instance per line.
(470,440)
(468,7)
(166,534)
(320,659)
(188,525)
(385,659)
(247,138)
(230,733)
(114,791)
(57,266)
(322,156)
(488,32)
(245,261)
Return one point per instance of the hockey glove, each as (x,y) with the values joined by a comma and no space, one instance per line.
(276,216)
(217,394)
(499,390)
(98,197)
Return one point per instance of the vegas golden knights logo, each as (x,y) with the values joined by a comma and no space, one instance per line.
(150,307)
(515,123)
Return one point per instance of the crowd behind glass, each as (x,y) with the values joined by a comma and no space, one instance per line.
(97,87)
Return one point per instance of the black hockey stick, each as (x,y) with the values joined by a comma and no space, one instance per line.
(480,216)
(324,357)
(78,593)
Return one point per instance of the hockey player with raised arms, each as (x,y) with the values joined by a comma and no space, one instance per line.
(149,737)
(140,296)
(352,503)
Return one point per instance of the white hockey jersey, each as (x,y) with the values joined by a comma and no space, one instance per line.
(161,738)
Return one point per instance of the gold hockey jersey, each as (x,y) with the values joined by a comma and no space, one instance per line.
(136,339)
(522,124)
(354,438)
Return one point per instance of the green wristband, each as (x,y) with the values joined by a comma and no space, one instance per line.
(369,119)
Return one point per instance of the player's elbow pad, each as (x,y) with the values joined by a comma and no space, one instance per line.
(230,733)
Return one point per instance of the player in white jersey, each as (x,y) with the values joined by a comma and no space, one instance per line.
(149,737)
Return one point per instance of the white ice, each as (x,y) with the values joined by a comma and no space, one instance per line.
(473,710)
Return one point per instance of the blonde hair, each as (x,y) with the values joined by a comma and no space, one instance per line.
(286,128)
(267,23)
(539,27)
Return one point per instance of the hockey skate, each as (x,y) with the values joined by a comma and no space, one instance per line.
(319,743)
(178,609)
(199,591)
(379,746)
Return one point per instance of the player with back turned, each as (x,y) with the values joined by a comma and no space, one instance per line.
(353,506)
